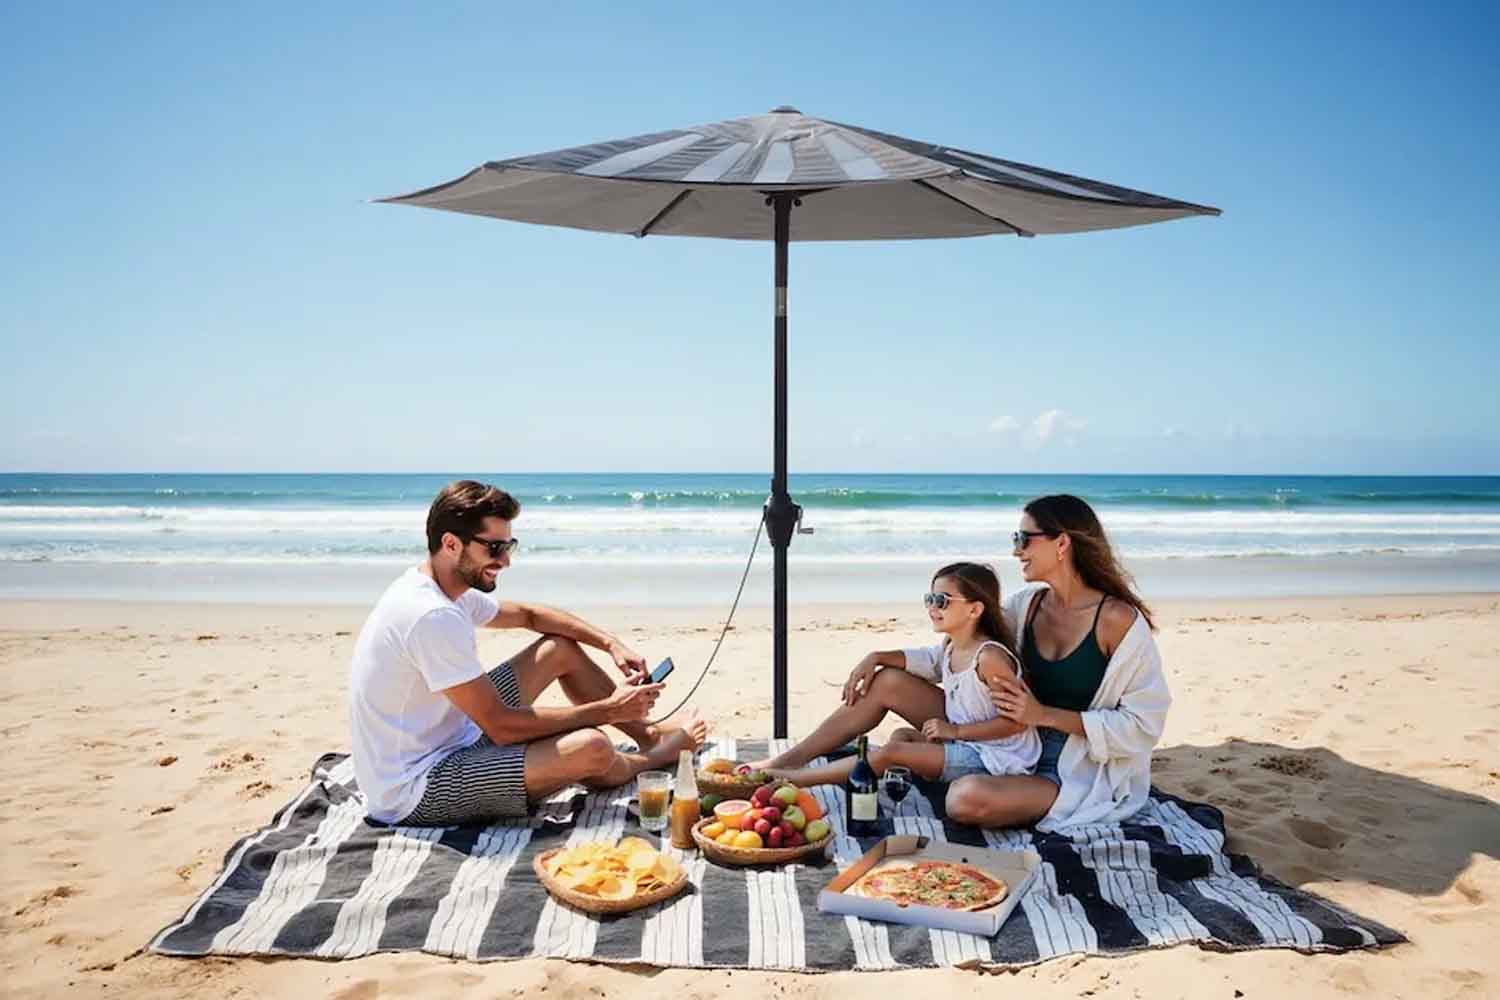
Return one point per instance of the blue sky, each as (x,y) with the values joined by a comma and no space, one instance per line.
(192,278)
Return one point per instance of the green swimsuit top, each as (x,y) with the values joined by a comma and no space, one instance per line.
(1072,681)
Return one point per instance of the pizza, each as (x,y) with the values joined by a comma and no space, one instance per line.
(945,884)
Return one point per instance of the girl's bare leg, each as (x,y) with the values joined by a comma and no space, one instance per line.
(891,690)
(925,759)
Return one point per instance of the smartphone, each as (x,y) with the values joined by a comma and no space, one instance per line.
(663,668)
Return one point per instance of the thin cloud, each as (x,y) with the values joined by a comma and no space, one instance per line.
(1003,425)
(1055,424)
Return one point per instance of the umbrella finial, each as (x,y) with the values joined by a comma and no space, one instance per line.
(785,109)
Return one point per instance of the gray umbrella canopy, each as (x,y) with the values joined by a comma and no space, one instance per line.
(856,184)
(786,177)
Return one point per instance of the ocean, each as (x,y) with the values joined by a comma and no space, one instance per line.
(637,538)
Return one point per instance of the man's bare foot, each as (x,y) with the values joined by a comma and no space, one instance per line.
(672,739)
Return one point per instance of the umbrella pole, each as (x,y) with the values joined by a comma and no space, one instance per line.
(781,514)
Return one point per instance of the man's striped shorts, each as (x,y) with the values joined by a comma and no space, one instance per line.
(482,781)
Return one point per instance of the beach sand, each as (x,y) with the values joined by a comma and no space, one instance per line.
(1354,745)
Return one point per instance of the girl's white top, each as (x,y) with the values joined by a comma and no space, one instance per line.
(967,701)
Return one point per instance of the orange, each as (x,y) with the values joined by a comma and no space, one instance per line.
(809,805)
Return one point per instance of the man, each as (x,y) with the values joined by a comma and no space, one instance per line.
(440,740)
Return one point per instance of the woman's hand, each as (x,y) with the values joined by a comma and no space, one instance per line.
(1014,701)
(858,684)
(939,731)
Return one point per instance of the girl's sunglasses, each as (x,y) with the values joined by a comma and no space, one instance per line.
(939,600)
(496,547)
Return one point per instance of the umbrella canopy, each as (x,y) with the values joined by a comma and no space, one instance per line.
(741,179)
(857,184)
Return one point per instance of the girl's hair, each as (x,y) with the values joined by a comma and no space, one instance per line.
(977,582)
(1093,557)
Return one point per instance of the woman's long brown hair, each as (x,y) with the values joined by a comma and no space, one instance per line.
(977,582)
(1093,557)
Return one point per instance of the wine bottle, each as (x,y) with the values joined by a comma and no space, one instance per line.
(862,796)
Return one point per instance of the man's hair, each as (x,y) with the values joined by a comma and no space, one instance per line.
(461,508)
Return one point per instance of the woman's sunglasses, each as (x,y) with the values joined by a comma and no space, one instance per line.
(497,547)
(940,600)
(1020,539)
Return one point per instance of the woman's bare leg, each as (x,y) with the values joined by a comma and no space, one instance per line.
(891,690)
(1000,801)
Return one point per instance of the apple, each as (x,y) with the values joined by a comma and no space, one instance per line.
(748,818)
(816,830)
(794,816)
(796,839)
(786,795)
(742,769)
(762,796)
(777,838)
(771,813)
(787,829)
(763,827)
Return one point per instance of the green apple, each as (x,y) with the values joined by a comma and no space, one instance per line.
(795,816)
(786,795)
(816,830)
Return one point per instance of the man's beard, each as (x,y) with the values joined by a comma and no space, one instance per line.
(472,573)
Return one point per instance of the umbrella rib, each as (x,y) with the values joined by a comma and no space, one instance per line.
(993,218)
(655,219)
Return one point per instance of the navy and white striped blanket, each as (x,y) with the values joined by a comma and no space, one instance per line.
(320,881)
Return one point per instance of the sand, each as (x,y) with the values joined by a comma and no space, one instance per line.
(1354,745)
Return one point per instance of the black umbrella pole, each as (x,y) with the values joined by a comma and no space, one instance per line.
(781,513)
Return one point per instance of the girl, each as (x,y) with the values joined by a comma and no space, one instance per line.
(967,736)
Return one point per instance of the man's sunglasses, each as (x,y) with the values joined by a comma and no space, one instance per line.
(497,547)
(1020,539)
(939,600)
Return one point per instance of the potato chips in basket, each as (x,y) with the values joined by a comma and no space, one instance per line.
(603,877)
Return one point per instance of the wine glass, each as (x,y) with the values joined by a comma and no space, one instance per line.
(896,782)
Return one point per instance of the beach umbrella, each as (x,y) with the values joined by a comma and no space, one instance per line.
(786,177)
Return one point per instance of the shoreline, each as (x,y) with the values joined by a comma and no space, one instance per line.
(643,583)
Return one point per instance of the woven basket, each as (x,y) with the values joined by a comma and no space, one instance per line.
(716,851)
(593,904)
(730,786)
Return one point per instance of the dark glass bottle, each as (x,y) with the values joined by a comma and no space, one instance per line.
(862,795)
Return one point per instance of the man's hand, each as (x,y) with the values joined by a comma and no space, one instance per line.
(629,662)
(939,731)
(631,702)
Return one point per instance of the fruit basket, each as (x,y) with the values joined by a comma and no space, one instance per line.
(716,777)
(725,854)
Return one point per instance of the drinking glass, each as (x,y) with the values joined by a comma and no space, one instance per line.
(655,791)
(896,782)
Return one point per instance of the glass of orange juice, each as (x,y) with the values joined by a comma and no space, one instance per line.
(655,790)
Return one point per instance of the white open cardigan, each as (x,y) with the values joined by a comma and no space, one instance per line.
(1106,776)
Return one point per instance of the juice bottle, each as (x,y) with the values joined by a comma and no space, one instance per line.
(685,811)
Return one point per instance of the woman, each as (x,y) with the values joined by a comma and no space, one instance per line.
(1092,681)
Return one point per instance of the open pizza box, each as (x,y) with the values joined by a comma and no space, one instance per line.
(1017,869)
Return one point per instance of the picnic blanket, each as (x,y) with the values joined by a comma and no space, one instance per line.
(322,881)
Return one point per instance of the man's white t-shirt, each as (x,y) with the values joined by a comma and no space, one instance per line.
(414,644)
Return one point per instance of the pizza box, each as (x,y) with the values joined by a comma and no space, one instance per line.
(1018,869)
